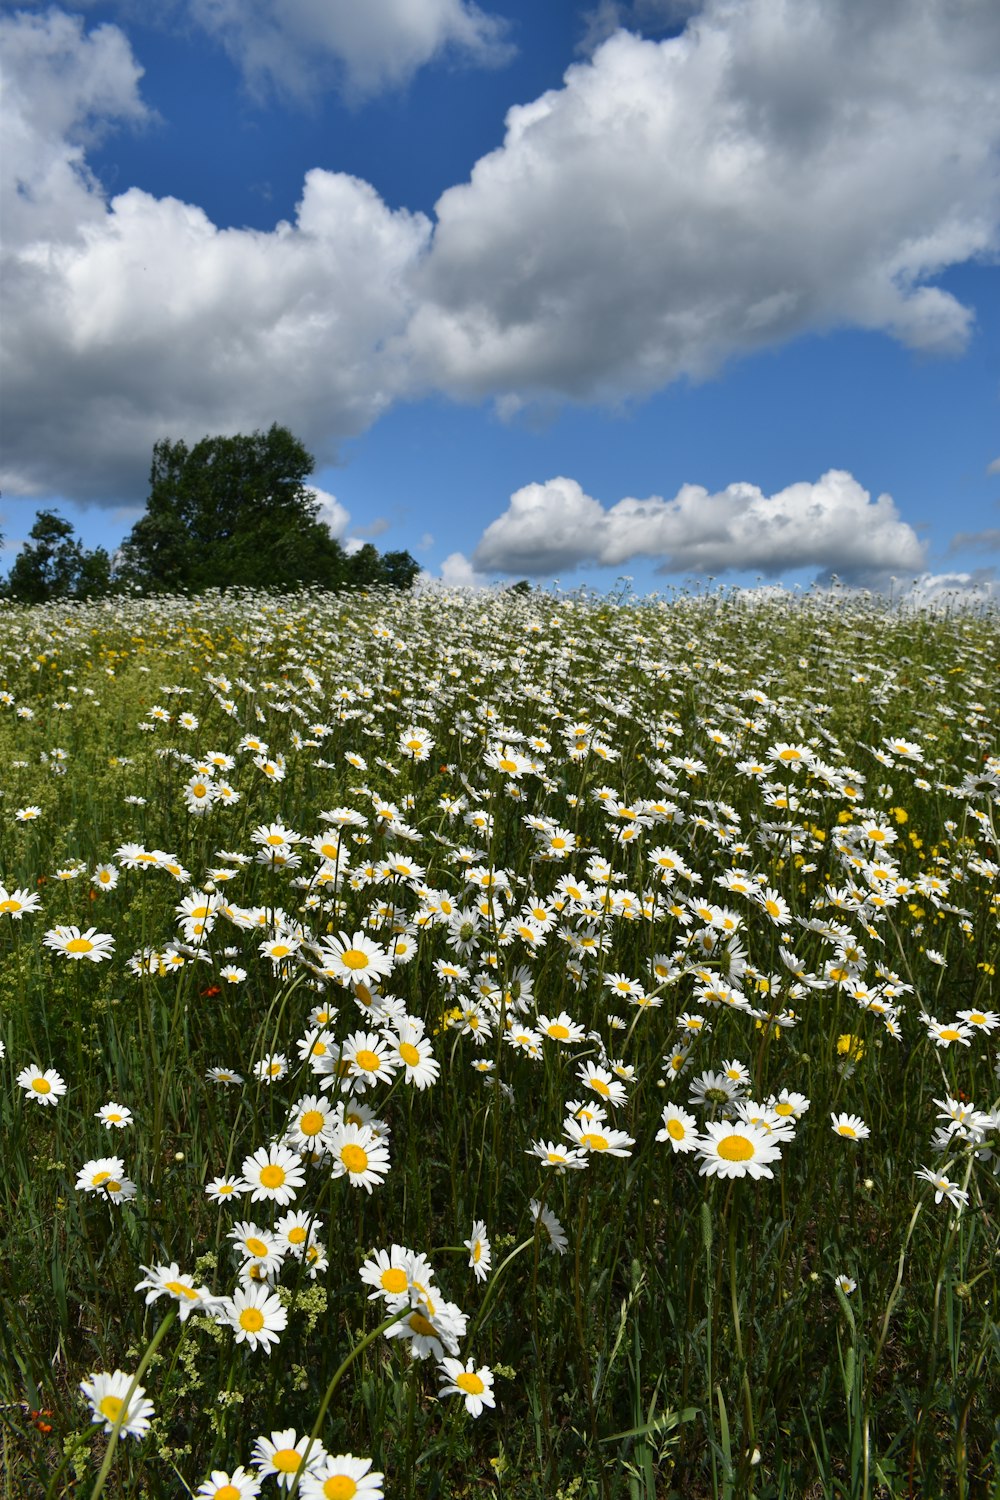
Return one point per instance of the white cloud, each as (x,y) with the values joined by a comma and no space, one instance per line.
(371,45)
(775,169)
(962,588)
(833,525)
(334,516)
(139,319)
(458,572)
(994,467)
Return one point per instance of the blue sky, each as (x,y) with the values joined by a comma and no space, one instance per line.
(661,289)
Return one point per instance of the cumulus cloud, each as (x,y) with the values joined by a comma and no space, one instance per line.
(334,516)
(833,525)
(294,44)
(458,572)
(774,169)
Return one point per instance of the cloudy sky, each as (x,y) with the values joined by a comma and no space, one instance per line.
(551,290)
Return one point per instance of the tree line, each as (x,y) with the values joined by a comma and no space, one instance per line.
(227,512)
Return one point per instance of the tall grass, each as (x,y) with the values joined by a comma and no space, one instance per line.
(701,835)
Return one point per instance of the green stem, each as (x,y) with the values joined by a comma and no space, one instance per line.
(151,1349)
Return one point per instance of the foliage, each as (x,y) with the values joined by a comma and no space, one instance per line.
(54,565)
(717,836)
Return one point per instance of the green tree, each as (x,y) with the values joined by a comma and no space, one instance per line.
(54,565)
(232,510)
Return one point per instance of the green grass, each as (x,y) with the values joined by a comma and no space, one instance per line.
(691,1339)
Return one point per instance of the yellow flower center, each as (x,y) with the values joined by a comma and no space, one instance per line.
(312,1122)
(789,755)
(558,1031)
(422,1325)
(847,1130)
(280,950)
(226,1492)
(199,789)
(599,1087)
(470,1382)
(272,1176)
(370,1061)
(977,1018)
(255,1246)
(100,1178)
(355,959)
(110,1407)
(950,1033)
(275,840)
(355,1158)
(339,1487)
(10,905)
(784,1108)
(252,1319)
(41,1085)
(735,1148)
(393,1280)
(287,1460)
(296,1236)
(409,1054)
(676,1130)
(79,945)
(180,1290)
(595,1142)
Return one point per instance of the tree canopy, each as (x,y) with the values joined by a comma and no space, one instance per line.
(229,511)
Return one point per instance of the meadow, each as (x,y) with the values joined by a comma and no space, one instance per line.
(509,1044)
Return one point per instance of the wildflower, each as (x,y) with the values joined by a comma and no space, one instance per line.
(944,1187)
(943,1034)
(852,1127)
(354,960)
(980,1020)
(561,1028)
(431,1328)
(480,1253)
(679,1128)
(255,1315)
(736,1149)
(221,1189)
(75,944)
(45,1087)
(296,1232)
(170,1281)
(27,814)
(223,1075)
(311,1124)
(239,1485)
(602,1082)
(359,1156)
(336,1478)
(271,1067)
(107,1394)
(558,1243)
(421,1067)
(370,1060)
(713,1089)
(104,1174)
(15,903)
(846,1283)
(284,1455)
(273,1172)
(561,1157)
(474,1385)
(391,1272)
(598,1137)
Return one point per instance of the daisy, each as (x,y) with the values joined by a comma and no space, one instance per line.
(256,1244)
(431,1329)
(480,1252)
(679,1128)
(170,1281)
(980,1020)
(736,1149)
(273,1172)
(560,1157)
(943,1034)
(45,1087)
(852,1127)
(561,1028)
(354,959)
(944,1187)
(107,1395)
(336,1478)
(392,1272)
(239,1485)
(420,1067)
(474,1385)
(114,1116)
(603,1082)
(104,1173)
(847,1284)
(358,1156)
(284,1455)
(311,1123)
(255,1315)
(297,1231)
(16,903)
(558,1243)
(271,1067)
(223,1075)
(73,943)
(598,1138)
(370,1059)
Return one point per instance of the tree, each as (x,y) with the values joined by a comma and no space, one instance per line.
(54,565)
(231,510)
